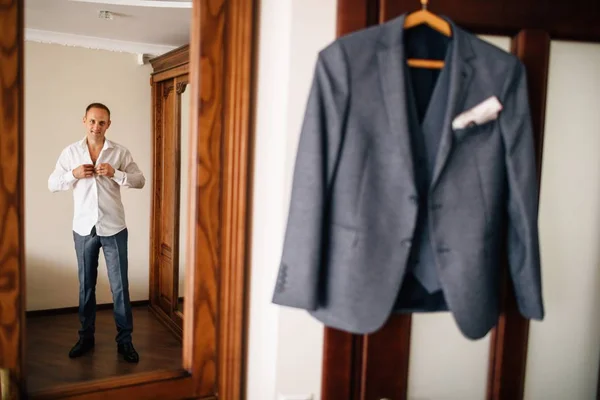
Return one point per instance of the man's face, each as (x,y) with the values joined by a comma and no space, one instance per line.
(96,123)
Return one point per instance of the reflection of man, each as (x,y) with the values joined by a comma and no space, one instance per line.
(96,168)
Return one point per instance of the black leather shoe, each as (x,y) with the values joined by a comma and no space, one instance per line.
(81,347)
(128,351)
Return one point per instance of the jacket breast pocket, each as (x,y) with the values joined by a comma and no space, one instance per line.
(474,130)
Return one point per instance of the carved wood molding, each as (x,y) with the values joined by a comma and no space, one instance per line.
(221,77)
(173,58)
(205,216)
(167,89)
(181,87)
(12,209)
(238,134)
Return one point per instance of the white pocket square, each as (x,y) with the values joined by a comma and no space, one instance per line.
(483,112)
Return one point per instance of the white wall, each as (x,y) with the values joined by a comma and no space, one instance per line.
(267,214)
(564,349)
(285,345)
(61,82)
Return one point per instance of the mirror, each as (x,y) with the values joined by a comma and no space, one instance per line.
(90,179)
(184,131)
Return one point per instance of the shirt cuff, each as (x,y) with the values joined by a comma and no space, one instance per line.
(119,176)
(69,177)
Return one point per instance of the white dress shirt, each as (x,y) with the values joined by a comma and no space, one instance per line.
(97,200)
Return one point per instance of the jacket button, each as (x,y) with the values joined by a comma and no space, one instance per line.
(436,206)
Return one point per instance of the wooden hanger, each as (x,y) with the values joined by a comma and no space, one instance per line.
(439,24)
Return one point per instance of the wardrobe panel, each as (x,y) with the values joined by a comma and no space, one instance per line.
(184,120)
(168,155)
(166,284)
(167,210)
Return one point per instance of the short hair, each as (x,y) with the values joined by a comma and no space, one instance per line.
(97,105)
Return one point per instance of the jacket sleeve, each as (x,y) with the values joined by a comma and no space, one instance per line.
(523,241)
(320,138)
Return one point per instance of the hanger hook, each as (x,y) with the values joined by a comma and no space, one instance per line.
(424,4)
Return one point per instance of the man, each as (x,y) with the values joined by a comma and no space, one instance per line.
(96,168)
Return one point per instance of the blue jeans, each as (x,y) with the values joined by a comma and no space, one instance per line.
(115,254)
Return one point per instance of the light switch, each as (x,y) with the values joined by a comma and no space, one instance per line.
(295,397)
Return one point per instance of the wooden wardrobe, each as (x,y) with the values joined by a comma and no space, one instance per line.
(169,80)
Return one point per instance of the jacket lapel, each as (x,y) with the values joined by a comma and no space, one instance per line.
(460,75)
(393,86)
(392,64)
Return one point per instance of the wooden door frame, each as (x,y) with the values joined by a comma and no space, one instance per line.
(221,73)
(349,360)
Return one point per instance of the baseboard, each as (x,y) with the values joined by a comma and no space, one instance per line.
(167,322)
(73,310)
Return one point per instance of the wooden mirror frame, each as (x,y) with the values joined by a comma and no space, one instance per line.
(221,76)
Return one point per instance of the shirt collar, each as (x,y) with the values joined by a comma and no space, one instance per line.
(107,143)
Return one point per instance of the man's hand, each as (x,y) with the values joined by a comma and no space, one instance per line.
(105,169)
(84,171)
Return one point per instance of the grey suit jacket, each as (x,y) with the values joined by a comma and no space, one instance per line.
(355,201)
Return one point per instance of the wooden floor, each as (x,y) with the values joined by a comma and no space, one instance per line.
(49,339)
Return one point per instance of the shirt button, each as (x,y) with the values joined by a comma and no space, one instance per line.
(407,242)
(414,199)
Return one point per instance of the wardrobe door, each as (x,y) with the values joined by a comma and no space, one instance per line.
(166,212)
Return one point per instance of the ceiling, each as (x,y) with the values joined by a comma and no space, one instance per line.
(138,26)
